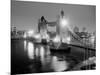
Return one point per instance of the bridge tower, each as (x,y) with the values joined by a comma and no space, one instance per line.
(43,24)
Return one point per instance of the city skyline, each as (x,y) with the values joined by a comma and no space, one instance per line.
(25,15)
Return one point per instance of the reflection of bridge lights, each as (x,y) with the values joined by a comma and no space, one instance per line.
(59,65)
(37,51)
(30,50)
(63,22)
(42,53)
(25,44)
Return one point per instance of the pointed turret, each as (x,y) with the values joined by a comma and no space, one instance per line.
(62,13)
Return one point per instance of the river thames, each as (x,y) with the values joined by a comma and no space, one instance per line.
(30,57)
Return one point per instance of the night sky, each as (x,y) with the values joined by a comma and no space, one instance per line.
(25,15)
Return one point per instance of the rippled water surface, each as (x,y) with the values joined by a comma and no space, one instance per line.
(30,57)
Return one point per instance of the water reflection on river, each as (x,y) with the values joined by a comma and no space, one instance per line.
(39,56)
(44,53)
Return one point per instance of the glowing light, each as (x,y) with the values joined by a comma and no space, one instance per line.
(91,60)
(47,37)
(31,50)
(63,22)
(30,33)
(92,39)
(25,35)
(59,66)
(42,53)
(56,39)
(68,40)
(37,36)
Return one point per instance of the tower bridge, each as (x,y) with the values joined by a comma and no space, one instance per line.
(43,29)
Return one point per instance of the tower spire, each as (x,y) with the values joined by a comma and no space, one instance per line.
(62,13)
